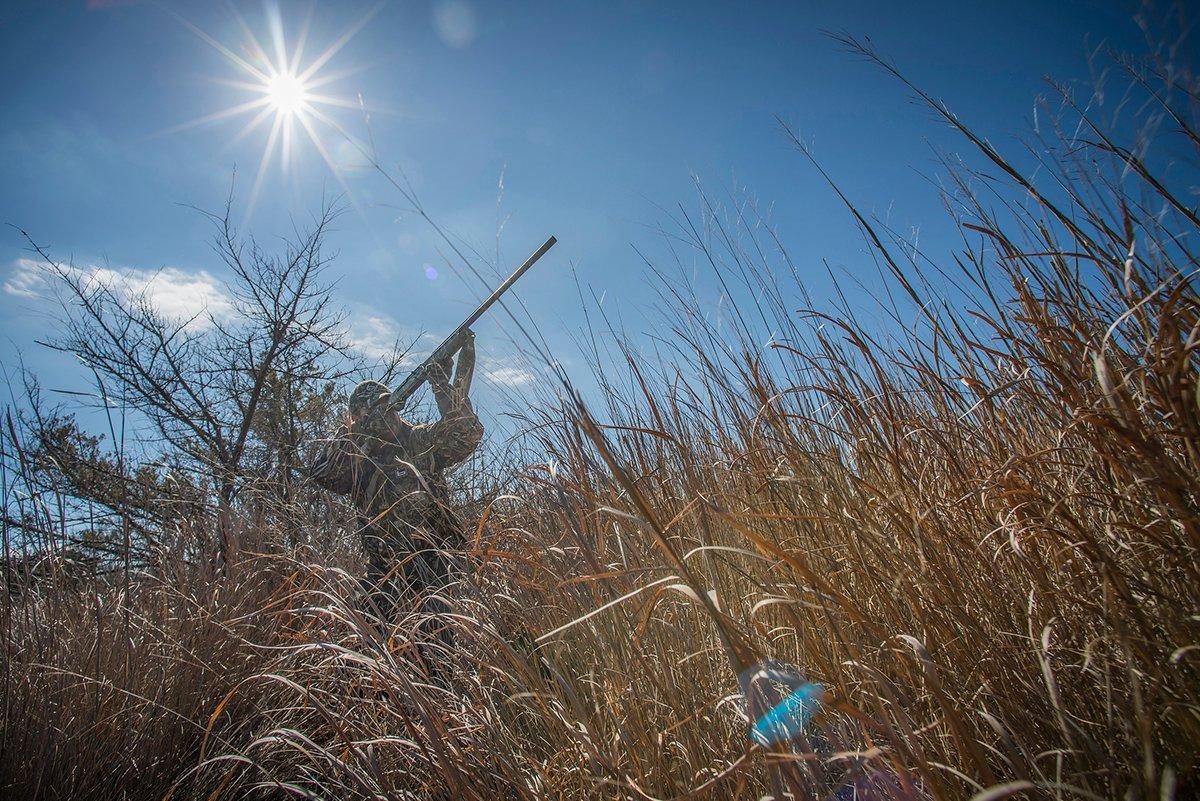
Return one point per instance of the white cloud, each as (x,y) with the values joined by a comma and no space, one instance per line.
(174,293)
(376,335)
(27,280)
(373,335)
(510,376)
(180,295)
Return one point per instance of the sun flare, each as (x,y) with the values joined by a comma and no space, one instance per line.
(286,93)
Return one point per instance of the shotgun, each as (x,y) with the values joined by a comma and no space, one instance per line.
(453,342)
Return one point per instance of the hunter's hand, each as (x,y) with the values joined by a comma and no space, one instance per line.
(466,365)
(467,348)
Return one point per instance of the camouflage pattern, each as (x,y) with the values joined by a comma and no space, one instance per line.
(394,472)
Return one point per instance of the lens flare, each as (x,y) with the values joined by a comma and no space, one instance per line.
(284,92)
(775,718)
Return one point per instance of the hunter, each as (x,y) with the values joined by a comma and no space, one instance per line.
(394,471)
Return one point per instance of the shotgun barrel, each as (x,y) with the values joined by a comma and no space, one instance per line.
(453,342)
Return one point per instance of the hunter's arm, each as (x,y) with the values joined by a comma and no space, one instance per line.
(451,439)
(454,437)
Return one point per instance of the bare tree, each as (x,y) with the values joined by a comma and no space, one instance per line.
(222,394)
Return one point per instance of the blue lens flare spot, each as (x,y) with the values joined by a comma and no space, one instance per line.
(789,717)
(431,272)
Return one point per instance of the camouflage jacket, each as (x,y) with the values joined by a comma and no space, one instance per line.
(394,470)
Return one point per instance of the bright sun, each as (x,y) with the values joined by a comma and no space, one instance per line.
(287,93)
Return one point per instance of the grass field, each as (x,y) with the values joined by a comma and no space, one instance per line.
(974,523)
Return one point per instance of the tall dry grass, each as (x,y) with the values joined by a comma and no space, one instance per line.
(975,525)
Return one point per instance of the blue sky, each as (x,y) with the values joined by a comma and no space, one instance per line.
(595,114)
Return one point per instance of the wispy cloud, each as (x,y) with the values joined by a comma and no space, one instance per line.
(174,293)
(27,280)
(373,335)
(198,296)
(376,336)
(510,376)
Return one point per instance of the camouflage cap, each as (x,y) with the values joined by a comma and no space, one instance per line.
(365,395)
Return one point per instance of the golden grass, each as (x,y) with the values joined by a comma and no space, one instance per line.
(977,527)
